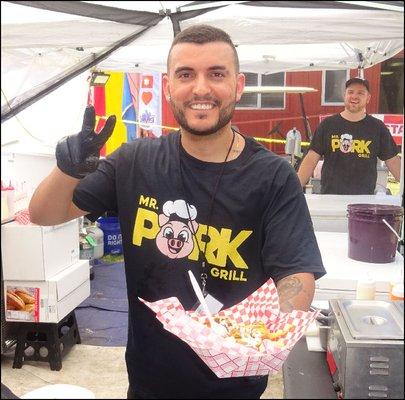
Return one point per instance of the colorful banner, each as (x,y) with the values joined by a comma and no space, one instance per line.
(135,99)
(97,99)
(150,104)
(128,110)
(119,96)
(113,106)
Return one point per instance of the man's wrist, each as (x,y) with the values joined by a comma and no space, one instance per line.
(64,159)
(66,176)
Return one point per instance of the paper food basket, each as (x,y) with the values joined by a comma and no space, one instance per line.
(225,357)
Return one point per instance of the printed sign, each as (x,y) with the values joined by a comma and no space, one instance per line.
(22,304)
(150,113)
(395,124)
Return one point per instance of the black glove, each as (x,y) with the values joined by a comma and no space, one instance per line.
(78,155)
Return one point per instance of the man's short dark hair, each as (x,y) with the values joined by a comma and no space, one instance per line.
(201,34)
(361,81)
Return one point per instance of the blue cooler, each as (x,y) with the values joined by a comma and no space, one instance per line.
(112,235)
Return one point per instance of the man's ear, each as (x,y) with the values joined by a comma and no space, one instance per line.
(240,86)
(166,87)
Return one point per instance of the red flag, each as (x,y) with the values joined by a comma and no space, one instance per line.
(98,100)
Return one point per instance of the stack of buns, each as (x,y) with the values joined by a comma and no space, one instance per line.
(20,300)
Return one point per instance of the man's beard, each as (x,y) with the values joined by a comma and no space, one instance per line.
(225,115)
(354,108)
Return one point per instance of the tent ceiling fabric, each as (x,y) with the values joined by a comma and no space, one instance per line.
(46,43)
(265,45)
(66,34)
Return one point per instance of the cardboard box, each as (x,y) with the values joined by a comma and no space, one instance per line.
(50,300)
(36,253)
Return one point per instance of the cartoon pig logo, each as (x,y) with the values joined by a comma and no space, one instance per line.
(346,142)
(177,226)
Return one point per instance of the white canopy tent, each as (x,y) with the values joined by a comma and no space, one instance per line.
(274,39)
(48,48)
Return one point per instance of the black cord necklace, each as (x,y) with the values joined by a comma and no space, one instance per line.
(204,263)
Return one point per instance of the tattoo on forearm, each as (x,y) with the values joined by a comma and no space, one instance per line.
(286,306)
(288,288)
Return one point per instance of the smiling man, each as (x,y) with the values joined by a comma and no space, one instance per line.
(207,199)
(203,90)
(350,143)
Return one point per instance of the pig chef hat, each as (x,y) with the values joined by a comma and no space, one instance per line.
(179,207)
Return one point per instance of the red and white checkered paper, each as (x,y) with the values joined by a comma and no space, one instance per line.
(23,217)
(223,356)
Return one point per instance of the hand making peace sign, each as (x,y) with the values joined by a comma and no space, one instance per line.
(78,155)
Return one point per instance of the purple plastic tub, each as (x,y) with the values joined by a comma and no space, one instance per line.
(370,239)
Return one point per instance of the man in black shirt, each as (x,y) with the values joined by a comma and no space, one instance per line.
(350,143)
(197,200)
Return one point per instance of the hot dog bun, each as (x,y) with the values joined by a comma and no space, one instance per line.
(29,307)
(14,302)
(26,297)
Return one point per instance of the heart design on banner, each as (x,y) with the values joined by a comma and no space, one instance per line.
(147,97)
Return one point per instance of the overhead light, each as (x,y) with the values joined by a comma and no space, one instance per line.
(387,73)
(99,78)
(397,64)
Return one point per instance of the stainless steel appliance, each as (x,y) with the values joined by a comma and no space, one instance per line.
(365,348)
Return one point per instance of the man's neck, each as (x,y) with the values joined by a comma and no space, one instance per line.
(210,148)
(353,117)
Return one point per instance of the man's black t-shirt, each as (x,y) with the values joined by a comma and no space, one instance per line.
(350,151)
(259,228)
